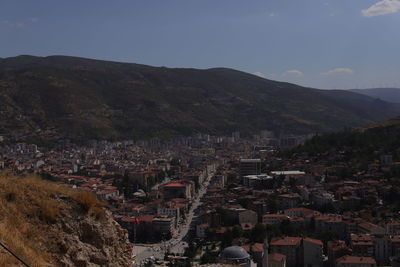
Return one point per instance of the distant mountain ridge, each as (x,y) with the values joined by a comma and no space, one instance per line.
(385,94)
(86,98)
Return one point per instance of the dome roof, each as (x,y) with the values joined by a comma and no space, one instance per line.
(234,252)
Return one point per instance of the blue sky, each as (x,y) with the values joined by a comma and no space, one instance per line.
(318,43)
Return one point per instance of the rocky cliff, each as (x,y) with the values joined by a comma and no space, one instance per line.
(51,225)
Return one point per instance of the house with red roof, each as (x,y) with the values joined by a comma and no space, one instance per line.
(276,260)
(176,190)
(299,251)
(256,251)
(290,247)
(312,252)
(370,228)
(395,245)
(337,249)
(362,245)
(288,201)
(354,261)
(274,218)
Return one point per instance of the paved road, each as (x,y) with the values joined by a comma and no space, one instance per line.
(177,243)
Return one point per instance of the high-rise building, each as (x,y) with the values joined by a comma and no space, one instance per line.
(250,167)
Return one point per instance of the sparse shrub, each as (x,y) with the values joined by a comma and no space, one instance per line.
(98,212)
(49,211)
(11,196)
(86,199)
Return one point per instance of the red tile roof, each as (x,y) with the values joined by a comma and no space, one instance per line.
(395,239)
(146,218)
(286,241)
(276,257)
(258,247)
(353,259)
(174,185)
(314,241)
(277,216)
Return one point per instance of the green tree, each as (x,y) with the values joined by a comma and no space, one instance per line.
(227,238)
(287,228)
(237,232)
(258,233)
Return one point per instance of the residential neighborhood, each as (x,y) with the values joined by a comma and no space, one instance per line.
(206,199)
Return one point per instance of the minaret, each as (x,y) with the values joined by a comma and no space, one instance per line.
(265,256)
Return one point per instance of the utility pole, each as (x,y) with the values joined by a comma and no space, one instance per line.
(13,254)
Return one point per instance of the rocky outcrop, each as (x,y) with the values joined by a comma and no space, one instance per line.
(86,241)
(47,224)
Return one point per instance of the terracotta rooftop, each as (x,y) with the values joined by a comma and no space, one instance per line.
(361,237)
(276,257)
(353,259)
(368,226)
(146,218)
(257,247)
(395,239)
(275,216)
(336,245)
(314,241)
(286,241)
(174,185)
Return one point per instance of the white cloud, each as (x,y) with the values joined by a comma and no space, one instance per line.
(265,76)
(11,24)
(339,71)
(18,24)
(260,74)
(292,73)
(382,8)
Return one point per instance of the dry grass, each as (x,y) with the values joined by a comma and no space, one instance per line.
(49,211)
(22,200)
(86,199)
(28,207)
(98,212)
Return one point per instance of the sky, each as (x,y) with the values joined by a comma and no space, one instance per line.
(330,44)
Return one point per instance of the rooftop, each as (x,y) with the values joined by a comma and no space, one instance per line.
(354,259)
(174,185)
(276,257)
(288,172)
(250,160)
(234,252)
(286,241)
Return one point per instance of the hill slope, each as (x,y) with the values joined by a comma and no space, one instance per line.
(99,99)
(364,144)
(50,225)
(385,94)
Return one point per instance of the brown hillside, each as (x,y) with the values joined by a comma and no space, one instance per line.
(77,98)
(47,224)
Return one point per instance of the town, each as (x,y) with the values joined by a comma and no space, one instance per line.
(230,200)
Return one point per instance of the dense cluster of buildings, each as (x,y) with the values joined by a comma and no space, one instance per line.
(148,182)
(336,219)
(315,212)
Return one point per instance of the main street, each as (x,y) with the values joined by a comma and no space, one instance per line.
(176,244)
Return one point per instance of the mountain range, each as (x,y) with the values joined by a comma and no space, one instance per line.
(362,145)
(386,94)
(85,98)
